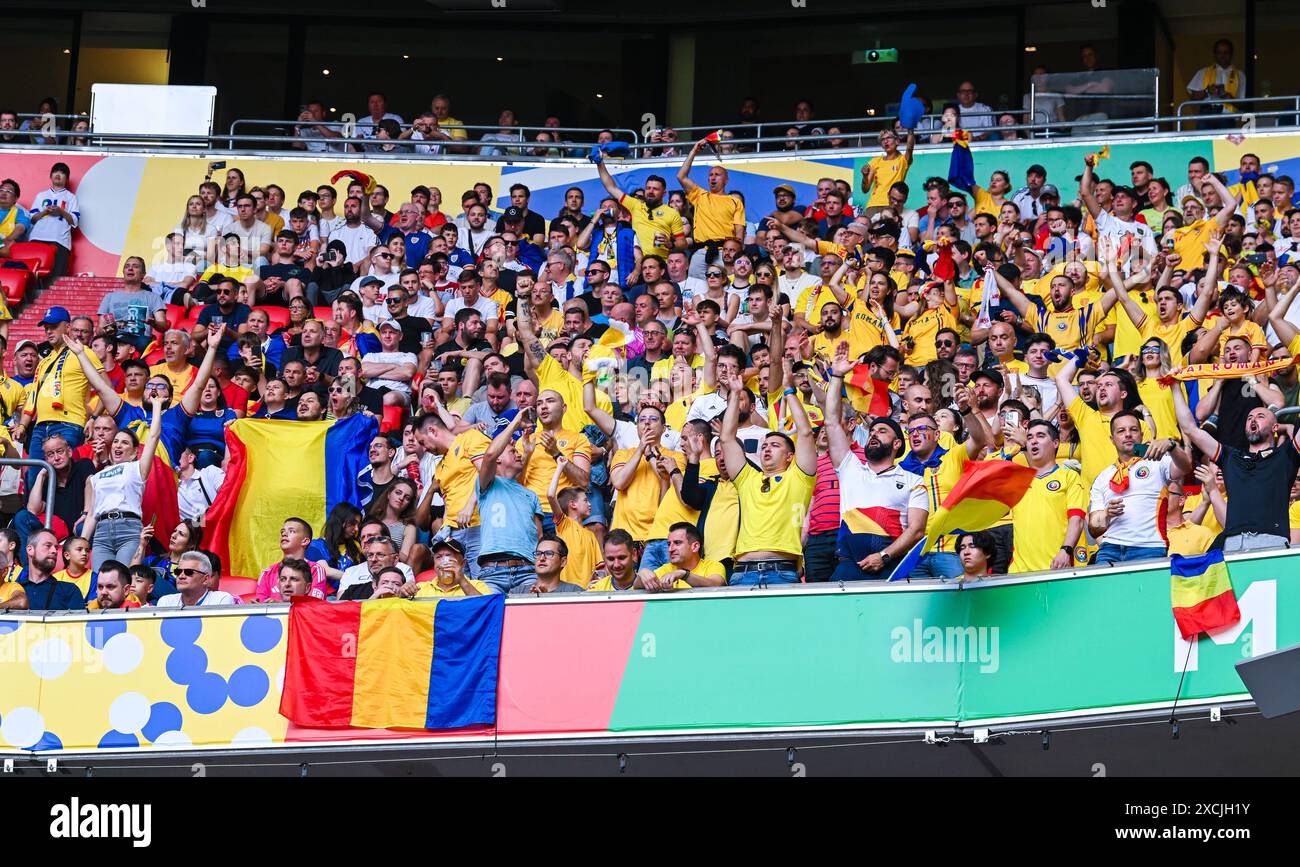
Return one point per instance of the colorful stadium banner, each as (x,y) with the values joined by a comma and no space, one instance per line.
(1070,644)
(262,488)
(393,663)
(130,202)
(1201,593)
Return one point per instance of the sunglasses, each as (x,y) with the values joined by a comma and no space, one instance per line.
(944,343)
(394,300)
(189,573)
(1150,350)
(511,243)
(715,274)
(385,255)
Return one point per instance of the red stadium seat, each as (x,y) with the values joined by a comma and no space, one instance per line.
(324,314)
(279,316)
(175,315)
(41,255)
(244,588)
(191,319)
(14,282)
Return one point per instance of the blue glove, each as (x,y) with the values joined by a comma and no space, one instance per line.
(1081,355)
(597,155)
(910,109)
(1054,355)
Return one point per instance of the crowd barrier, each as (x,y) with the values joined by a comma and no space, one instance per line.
(129,202)
(1057,646)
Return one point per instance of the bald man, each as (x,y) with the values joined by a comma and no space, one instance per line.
(718,216)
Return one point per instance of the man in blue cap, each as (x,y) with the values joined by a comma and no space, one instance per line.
(56,401)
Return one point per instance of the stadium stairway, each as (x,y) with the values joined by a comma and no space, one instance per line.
(77,294)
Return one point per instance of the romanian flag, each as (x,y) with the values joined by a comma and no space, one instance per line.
(983,494)
(282,469)
(961,166)
(867,394)
(1201,593)
(393,663)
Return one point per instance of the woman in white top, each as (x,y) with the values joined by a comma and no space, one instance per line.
(200,235)
(114,494)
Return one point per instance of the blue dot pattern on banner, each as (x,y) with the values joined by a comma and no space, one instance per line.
(163,717)
(207,693)
(98,634)
(179,631)
(8,626)
(186,664)
(116,740)
(48,741)
(249,685)
(260,633)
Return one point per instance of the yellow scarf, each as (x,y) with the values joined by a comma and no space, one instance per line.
(1210,75)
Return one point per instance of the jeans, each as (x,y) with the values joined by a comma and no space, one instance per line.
(115,539)
(655,554)
(1109,555)
(938,564)
(819,556)
(761,573)
(503,579)
(74,435)
(469,537)
(1253,542)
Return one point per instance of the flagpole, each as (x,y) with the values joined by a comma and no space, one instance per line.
(1173,721)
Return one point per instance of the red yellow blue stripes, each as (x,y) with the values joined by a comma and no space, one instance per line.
(1201,593)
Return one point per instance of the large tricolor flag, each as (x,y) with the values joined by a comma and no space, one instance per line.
(983,494)
(866,393)
(393,663)
(1201,593)
(961,165)
(282,469)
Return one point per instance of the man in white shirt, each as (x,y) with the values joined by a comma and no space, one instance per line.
(1126,501)
(382,269)
(1121,222)
(193,570)
(974,115)
(218,217)
(54,214)
(692,288)
(1036,359)
(254,235)
(196,489)
(389,372)
(1221,80)
(475,233)
(376,110)
(357,237)
(1027,198)
(380,555)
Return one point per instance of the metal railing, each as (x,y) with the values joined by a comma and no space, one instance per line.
(50,482)
(524,141)
(1184,107)
(276,145)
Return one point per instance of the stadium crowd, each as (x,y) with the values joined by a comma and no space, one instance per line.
(674,388)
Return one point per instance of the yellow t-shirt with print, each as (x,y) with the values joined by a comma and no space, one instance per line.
(551,376)
(1172,334)
(772,519)
(1190,241)
(59,380)
(12,396)
(584,550)
(887,173)
(637,504)
(716,214)
(457,473)
(923,328)
(664,220)
(541,466)
(1096,449)
(704,568)
(1190,540)
(1042,517)
(1247,329)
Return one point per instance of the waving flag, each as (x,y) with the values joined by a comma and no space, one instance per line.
(867,394)
(1201,593)
(983,494)
(393,663)
(961,166)
(282,469)
(990,297)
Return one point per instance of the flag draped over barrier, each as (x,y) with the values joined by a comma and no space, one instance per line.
(1201,593)
(277,470)
(393,663)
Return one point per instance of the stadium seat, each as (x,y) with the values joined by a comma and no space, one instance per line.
(175,315)
(324,314)
(14,282)
(279,316)
(41,255)
(191,319)
(244,588)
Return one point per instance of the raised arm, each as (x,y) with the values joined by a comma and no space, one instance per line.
(1199,438)
(841,367)
(1085,186)
(607,181)
(1286,332)
(1229,201)
(108,398)
(733,452)
(684,173)
(487,468)
(190,400)
(805,444)
(602,419)
(1018,299)
(534,354)
(151,441)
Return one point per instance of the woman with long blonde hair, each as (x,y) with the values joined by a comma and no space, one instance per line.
(1153,363)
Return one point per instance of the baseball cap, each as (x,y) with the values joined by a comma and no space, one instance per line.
(56,316)
(22,343)
(390,323)
(512,214)
(783,188)
(1036,169)
(1121,190)
(889,422)
(452,545)
(370,280)
(991,375)
(1049,190)
(884,227)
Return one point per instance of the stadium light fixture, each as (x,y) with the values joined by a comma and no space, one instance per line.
(1031,48)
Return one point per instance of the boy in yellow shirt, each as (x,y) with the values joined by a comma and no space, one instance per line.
(570,508)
